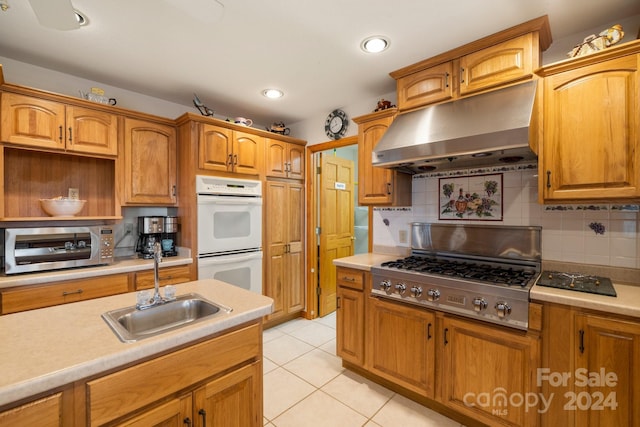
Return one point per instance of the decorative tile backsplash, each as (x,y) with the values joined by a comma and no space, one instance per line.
(599,234)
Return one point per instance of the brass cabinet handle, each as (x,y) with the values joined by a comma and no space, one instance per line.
(349,279)
(203,414)
(429,331)
(548,179)
(70,134)
(461,75)
(388,188)
(60,136)
(446,332)
(581,347)
(338,302)
(77,291)
(446,79)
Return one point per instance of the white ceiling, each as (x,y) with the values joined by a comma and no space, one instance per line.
(307,48)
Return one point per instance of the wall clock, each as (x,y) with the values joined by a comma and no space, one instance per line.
(336,125)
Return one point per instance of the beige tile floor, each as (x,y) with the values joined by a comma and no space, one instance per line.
(306,386)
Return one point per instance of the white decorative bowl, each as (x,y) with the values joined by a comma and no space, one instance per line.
(62,207)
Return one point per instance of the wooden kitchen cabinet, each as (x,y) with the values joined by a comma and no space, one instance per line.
(47,124)
(167,276)
(149,163)
(376,185)
(284,159)
(23,298)
(583,345)
(401,345)
(500,59)
(350,315)
(45,412)
(608,352)
(284,243)
(428,86)
(222,377)
(225,150)
(591,131)
(483,360)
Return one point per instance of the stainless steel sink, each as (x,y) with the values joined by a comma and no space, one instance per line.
(131,324)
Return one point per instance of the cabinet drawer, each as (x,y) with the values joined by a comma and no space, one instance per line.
(28,298)
(125,391)
(350,278)
(168,276)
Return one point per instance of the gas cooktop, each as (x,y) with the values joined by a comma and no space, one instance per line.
(577,282)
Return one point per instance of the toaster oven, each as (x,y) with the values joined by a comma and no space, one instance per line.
(28,250)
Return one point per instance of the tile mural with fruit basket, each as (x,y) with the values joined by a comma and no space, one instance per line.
(476,198)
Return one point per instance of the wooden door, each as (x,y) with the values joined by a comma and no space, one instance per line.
(150,151)
(607,353)
(294,220)
(276,159)
(173,413)
(92,132)
(276,208)
(401,345)
(32,121)
(503,63)
(215,148)
(350,325)
(591,146)
(248,151)
(481,360)
(336,225)
(296,161)
(426,87)
(234,400)
(374,184)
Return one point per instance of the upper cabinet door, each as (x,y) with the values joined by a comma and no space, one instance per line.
(150,163)
(92,132)
(284,160)
(426,87)
(248,151)
(591,143)
(215,148)
(503,63)
(32,121)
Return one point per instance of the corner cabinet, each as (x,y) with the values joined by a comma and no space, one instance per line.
(149,150)
(376,185)
(46,124)
(284,244)
(591,134)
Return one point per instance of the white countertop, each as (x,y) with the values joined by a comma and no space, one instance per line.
(50,347)
(627,301)
(120,265)
(363,261)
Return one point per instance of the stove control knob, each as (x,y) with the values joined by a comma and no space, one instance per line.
(479,304)
(385,285)
(416,291)
(433,295)
(401,287)
(503,309)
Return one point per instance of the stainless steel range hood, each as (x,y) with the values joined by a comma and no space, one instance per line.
(482,130)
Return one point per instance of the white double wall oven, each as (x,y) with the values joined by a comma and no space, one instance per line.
(230,231)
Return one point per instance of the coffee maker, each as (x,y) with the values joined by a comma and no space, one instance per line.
(154,229)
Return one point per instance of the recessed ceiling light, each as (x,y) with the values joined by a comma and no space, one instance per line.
(273,93)
(81,18)
(374,44)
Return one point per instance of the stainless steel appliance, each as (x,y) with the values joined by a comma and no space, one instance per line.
(577,282)
(28,250)
(152,229)
(487,129)
(480,272)
(230,231)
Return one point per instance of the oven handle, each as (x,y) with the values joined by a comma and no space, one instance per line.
(215,200)
(226,259)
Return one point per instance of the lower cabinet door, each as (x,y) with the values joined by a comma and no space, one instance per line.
(350,325)
(234,400)
(46,412)
(401,345)
(487,371)
(174,413)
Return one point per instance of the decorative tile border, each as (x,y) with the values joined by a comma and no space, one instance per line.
(477,171)
(391,209)
(620,208)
